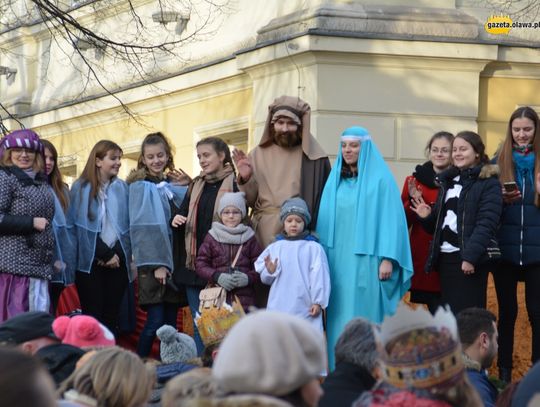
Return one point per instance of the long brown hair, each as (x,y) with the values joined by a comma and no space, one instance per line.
(154,139)
(505,159)
(55,178)
(90,173)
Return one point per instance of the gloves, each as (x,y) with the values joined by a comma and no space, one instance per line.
(226,281)
(240,279)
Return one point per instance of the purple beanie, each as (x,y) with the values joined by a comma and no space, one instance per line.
(21,139)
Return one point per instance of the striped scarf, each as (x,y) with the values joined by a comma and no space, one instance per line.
(227,175)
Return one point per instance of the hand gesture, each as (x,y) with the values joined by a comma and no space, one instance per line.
(414,191)
(467,267)
(385,270)
(511,196)
(161,274)
(40,224)
(178,220)
(421,208)
(315,310)
(243,165)
(271,266)
(179,177)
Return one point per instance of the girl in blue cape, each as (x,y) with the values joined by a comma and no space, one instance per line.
(153,198)
(63,274)
(363,229)
(98,220)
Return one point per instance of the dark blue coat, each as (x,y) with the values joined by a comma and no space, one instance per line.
(479,212)
(519,234)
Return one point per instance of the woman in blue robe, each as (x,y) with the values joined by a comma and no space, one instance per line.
(363,229)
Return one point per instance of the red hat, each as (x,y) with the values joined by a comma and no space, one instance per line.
(82,331)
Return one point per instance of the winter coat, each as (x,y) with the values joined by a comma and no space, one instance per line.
(424,179)
(479,212)
(345,384)
(25,251)
(205,217)
(214,258)
(519,233)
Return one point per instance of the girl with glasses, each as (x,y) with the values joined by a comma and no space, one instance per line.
(228,240)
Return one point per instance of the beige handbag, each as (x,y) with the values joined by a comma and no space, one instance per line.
(213,295)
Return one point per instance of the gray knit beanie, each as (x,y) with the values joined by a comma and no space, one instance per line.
(236,199)
(296,206)
(175,346)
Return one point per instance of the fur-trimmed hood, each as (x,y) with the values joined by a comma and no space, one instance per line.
(136,175)
(480,171)
(489,170)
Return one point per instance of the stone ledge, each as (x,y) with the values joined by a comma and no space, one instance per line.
(383,21)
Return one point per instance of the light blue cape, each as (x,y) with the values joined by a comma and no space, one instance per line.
(150,217)
(65,247)
(84,222)
(380,219)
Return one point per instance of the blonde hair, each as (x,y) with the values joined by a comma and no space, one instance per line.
(195,384)
(38,166)
(114,377)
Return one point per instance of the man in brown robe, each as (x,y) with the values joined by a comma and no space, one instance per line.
(287,162)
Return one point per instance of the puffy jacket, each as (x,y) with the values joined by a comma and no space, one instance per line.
(215,258)
(25,251)
(519,234)
(479,212)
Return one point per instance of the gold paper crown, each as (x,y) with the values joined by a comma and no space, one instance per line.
(421,350)
(214,323)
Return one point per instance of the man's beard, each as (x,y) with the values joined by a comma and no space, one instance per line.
(288,140)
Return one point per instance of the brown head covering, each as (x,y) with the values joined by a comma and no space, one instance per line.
(299,108)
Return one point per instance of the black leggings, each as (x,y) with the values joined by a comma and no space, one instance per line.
(506,277)
(101,292)
(461,290)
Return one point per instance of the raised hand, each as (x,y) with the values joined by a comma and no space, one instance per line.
(271,266)
(179,177)
(421,208)
(243,164)
(414,191)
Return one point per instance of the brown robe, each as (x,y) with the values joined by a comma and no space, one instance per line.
(280,173)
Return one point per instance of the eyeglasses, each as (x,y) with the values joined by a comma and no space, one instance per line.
(442,150)
(231,213)
(19,151)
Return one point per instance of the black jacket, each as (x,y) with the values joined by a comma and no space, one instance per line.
(345,384)
(479,212)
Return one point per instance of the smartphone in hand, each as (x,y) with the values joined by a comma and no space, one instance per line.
(510,187)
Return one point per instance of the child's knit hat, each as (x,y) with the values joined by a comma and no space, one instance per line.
(175,346)
(82,331)
(236,199)
(295,206)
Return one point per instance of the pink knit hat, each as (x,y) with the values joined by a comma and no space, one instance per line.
(82,331)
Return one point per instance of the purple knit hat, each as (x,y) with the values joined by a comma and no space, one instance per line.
(21,139)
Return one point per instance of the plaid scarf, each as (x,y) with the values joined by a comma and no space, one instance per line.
(227,175)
